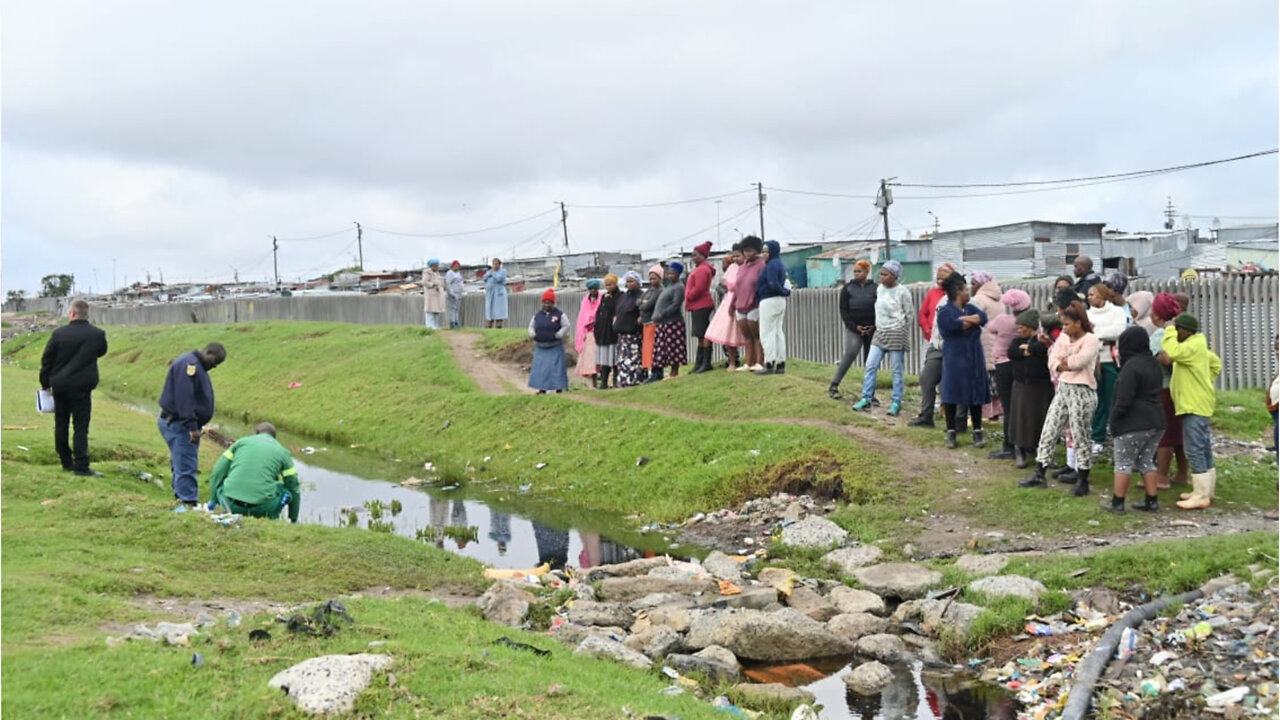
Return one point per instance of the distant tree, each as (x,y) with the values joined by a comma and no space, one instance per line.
(17,299)
(56,285)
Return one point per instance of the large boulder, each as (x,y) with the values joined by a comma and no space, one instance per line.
(769,694)
(722,567)
(812,604)
(814,532)
(907,581)
(631,568)
(662,600)
(853,600)
(627,589)
(596,646)
(938,615)
(755,597)
(778,578)
(783,635)
(601,614)
(715,662)
(848,559)
(655,641)
(505,603)
(883,647)
(982,565)
(328,685)
(851,627)
(1008,586)
(869,678)
(676,618)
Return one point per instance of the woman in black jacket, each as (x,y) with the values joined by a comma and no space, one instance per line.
(858,313)
(1137,418)
(602,329)
(1032,387)
(626,322)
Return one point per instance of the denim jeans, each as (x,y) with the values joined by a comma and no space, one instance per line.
(896,361)
(184,459)
(1197,442)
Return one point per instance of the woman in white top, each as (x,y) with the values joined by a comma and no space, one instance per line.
(893,319)
(1109,317)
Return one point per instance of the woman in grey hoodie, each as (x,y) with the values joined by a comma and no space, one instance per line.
(669,345)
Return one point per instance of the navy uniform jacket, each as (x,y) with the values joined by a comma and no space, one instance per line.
(188,394)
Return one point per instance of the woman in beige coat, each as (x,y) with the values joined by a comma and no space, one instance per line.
(433,294)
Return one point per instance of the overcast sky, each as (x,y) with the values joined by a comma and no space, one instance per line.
(174,138)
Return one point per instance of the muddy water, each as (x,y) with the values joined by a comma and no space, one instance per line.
(913,695)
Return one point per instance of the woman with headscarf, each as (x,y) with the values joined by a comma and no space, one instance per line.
(986,295)
(1137,420)
(965,387)
(772,290)
(649,331)
(858,313)
(626,322)
(1109,318)
(434,294)
(606,336)
(669,348)
(892,322)
(548,327)
(1073,358)
(746,306)
(1140,309)
(1164,308)
(1032,385)
(454,287)
(584,341)
(495,295)
(999,334)
(724,329)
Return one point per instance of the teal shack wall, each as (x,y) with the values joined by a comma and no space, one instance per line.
(797,265)
(820,272)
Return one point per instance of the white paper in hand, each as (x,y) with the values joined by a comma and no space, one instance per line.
(44,401)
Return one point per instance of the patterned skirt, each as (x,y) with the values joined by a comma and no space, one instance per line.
(669,345)
(629,371)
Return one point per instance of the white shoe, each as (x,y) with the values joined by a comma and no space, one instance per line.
(743,368)
(1097,449)
(756,367)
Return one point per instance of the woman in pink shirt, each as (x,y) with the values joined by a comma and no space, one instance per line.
(724,327)
(1074,357)
(746,307)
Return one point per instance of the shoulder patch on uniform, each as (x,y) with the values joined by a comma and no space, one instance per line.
(191,370)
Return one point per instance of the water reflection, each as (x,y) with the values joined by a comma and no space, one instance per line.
(914,695)
(452,522)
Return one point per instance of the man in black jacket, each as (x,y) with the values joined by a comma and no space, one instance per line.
(69,368)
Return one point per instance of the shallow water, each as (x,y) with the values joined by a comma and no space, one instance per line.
(914,695)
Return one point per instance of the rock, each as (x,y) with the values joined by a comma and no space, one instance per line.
(931,657)
(812,604)
(883,647)
(814,532)
(675,618)
(204,620)
(853,600)
(851,558)
(938,615)
(677,573)
(582,591)
(662,600)
(328,684)
(779,578)
(851,627)
(1099,600)
(982,564)
(655,641)
(631,568)
(783,635)
(598,613)
(907,581)
(171,633)
(717,663)
(757,597)
(595,646)
(869,678)
(626,589)
(767,694)
(1008,586)
(505,603)
(722,567)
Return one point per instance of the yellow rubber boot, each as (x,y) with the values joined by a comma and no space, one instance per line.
(1213,483)
(1200,488)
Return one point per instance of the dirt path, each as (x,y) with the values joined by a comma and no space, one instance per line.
(493,377)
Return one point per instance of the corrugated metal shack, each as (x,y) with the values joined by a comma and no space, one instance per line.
(1034,248)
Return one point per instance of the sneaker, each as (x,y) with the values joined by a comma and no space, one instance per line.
(833,392)
(88,473)
(920,421)
(894,408)
(746,368)
(862,404)
(756,368)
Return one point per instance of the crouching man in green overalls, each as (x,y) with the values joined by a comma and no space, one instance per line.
(255,477)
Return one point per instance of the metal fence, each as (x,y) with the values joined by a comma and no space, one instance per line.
(1238,315)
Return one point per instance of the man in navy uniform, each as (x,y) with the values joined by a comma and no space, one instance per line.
(69,368)
(186,404)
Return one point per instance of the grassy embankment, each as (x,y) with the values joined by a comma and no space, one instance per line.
(80,556)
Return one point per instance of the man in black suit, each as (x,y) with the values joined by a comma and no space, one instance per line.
(70,369)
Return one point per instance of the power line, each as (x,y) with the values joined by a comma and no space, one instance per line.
(315,237)
(1134,173)
(663,204)
(821,194)
(730,219)
(466,232)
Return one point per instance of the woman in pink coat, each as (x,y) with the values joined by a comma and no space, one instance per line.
(986,295)
(584,342)
(724,328)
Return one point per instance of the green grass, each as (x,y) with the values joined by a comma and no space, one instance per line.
(1242,415)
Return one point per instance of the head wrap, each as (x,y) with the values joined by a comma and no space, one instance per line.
(946,268)
(656,270)
(981,277)
(1140,302)
(1117,281)
(1165,307)
(632,275)
(704,249)
(611,278)
(548,294)
(1050,321)
(432,261)
(1017,300)
(595,284)
(1189,274)
(863,263)
(1187,321)
(1029,318)
(455,263)
(676,267)
(893,266)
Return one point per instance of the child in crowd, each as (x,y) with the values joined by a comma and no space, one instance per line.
(1032,387)
(1137,419)
(1195,368)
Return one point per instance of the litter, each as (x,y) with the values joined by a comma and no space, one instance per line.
(506,574)
(197,659)
(24,448)
(504,640)
(295,385)
(1229,697)
(308,450)
(728,588)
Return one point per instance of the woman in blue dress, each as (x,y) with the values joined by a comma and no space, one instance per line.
(495,295)
(964,366)
(547,328)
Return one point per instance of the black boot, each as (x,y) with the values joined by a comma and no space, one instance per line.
(978,440)
(1082,483)
(1004,453)
(1063,471)
(951,439)
(1150,504)
(1115,504)
(655,375)
(703,361)
(1035,479)
(604,377)
(780,368)
(1067,476)
(1020,458)
(766,370)
(921,421)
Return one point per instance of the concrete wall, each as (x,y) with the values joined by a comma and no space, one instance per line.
(1238,314)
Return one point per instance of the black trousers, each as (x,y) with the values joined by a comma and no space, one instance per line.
(930,378)
(1004,390)
(68,407)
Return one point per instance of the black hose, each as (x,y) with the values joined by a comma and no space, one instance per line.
(1080,695)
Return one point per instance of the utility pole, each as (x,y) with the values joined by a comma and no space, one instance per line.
(884,199)
(360,243)
(935,221)
(275,260)
(564,224)
(761,197)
